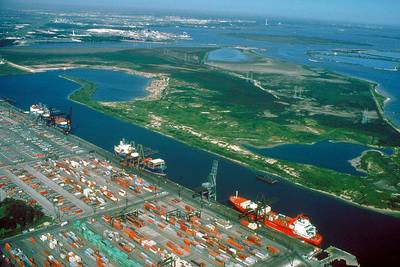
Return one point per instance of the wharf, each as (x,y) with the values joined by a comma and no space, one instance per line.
(74,182)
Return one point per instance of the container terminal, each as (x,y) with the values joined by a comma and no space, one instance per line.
(108,214)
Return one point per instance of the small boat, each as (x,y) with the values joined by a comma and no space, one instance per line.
(267,179)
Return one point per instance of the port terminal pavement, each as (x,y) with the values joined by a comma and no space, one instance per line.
(295,252)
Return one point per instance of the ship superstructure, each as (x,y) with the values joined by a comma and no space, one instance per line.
(299,226)
(132,156)
(39,110)
(156,166)
(125,149)
(52,117)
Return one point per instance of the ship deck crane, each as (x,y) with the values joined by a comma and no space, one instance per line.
(258,213)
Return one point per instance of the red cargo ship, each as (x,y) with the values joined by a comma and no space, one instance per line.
(299,226)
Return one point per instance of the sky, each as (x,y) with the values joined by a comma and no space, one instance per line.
(356,11)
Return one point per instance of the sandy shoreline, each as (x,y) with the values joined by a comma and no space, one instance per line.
(378,90)
(381,109)
(156,91)
(155,88)
(384,211)
(390,212)
(379,210)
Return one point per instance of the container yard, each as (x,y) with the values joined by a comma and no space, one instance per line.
(23,140)
(10,189)
(167,226)
(149,234)
(105,215)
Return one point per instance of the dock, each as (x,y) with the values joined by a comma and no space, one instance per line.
(103,214)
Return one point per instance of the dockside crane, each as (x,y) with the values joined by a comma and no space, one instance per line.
(211,185)
(208,190)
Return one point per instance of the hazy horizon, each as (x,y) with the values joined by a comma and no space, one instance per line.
(353,11)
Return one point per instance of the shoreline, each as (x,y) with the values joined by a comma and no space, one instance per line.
(388,212)
(155,87)
(354,162)
(381,109)
(369,147)
(379,91)
(133,72)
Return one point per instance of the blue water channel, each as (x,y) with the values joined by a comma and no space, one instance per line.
(227,54)
(112,85)
(324,154)
(369,235)
(385,43)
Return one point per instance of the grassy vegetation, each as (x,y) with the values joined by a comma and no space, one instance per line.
(16,216)
(217,108)
(290,39)
(83,94)
(379,98)
(384,172)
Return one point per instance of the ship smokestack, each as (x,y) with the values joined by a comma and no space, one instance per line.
(236,195)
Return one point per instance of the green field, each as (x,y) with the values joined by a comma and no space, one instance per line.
(219,107)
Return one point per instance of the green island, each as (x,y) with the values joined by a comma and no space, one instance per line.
(16,216)
(221,106)
(294,39)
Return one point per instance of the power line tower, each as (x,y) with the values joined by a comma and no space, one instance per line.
(298,92)
(365,117)
(249,76)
